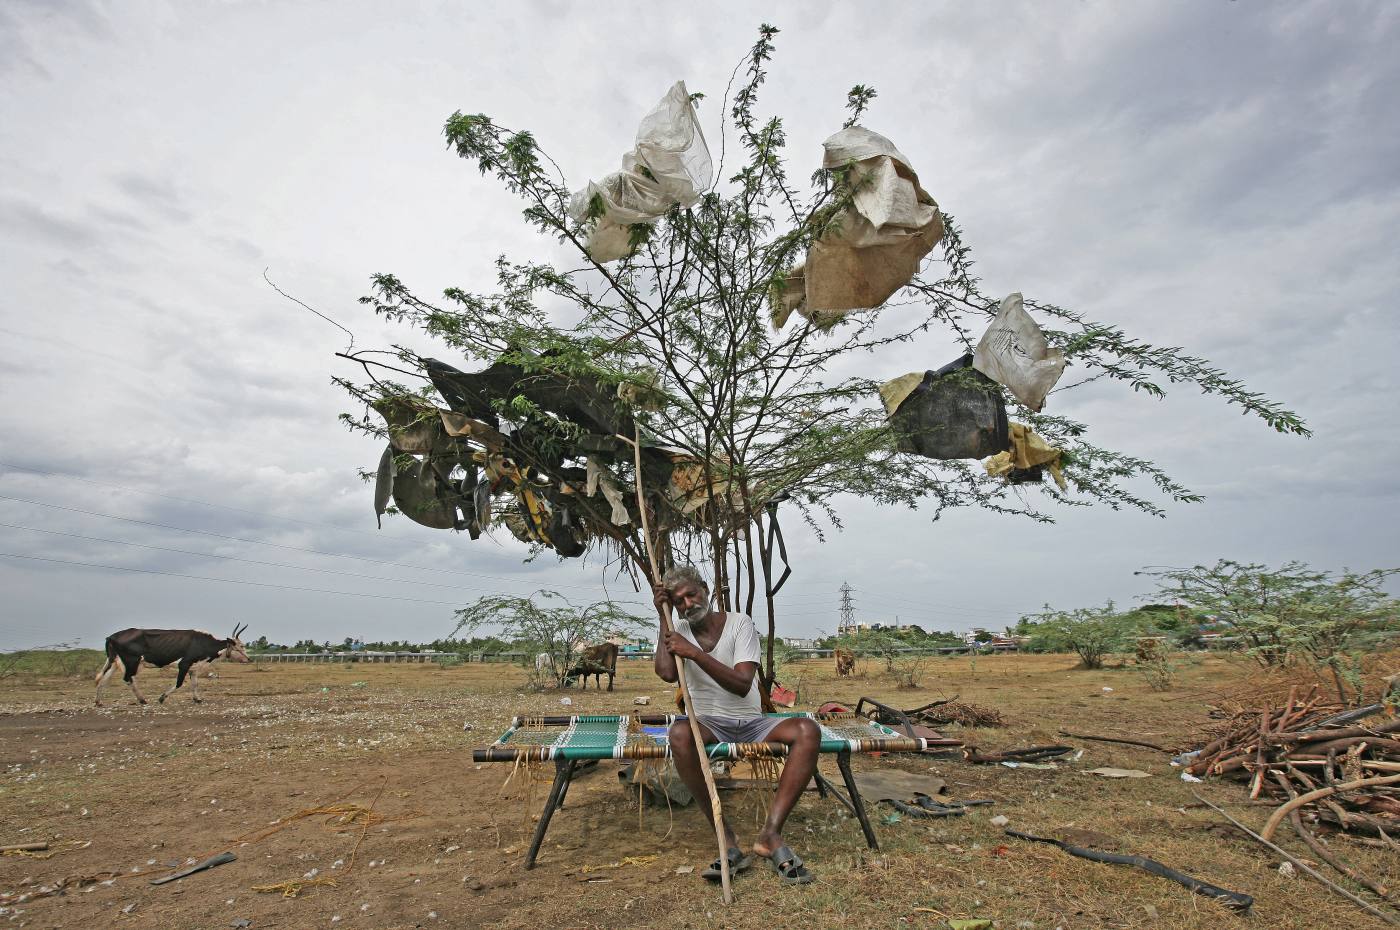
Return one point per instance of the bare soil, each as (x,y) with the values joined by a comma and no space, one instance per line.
(153,786)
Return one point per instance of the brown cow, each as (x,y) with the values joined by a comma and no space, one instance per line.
(845,662)
(597,661)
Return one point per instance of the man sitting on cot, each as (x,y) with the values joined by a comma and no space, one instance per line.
(723,651)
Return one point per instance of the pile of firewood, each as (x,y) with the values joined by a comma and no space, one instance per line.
(942,713)
(1343,760)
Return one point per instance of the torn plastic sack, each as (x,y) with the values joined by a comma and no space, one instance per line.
(383,485)
(1027,453)
(955,412)
(424,497)
(600,479)
(579,400)
(874,247)
(643,391)
(413,423)
(566,533)
(459,425)
(670,166)
(1013,352)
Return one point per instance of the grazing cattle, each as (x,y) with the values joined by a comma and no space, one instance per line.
(845,662)
(596,661)
(129,648)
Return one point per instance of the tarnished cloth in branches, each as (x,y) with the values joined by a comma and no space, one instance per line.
(670,166)
(1028,451)
(614,737)
(1013,351)
(536,454)
(579,400)
(422,487)
(874,247)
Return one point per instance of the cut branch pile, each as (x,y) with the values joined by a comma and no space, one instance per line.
(1319,751)
(942,713)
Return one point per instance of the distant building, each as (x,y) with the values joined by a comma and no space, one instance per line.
(797,642)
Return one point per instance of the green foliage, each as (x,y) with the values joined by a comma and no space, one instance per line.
(547,623)
(51,662)
(1294,615)
(1092,633)
(693,304)
(772,412)
(782,653)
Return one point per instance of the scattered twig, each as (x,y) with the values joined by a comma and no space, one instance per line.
(312,309)
(1029,754)
(1115,739)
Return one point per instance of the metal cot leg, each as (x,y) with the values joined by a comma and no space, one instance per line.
(843,760)
(563,771)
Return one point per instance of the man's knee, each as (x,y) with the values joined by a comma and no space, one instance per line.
(682,743)
(808,733)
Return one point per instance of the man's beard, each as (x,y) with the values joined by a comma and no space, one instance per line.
(697,613)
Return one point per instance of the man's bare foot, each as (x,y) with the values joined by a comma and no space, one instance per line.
(786,863)
(766,842)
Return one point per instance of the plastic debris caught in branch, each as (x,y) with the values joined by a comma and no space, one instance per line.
(874,247)
(1013,351)
(670,166)
(1028,451)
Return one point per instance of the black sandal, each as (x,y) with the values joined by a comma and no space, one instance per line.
(739,861)
(790,867)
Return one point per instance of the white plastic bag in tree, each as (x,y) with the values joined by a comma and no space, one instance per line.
(669,166)
(1013,351)
(877,244)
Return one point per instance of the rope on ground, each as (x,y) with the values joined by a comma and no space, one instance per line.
(336,814)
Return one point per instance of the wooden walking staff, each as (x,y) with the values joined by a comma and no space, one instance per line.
(715,813)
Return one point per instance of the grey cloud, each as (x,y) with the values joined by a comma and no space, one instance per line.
(25,219)
(1216,176)
(150,193)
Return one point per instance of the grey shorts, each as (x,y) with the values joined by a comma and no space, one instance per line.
(740,730)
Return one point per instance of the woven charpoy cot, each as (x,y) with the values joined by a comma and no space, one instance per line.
(567,741)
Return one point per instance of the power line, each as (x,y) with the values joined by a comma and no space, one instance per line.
(258,542)
(890,598)
(848,610)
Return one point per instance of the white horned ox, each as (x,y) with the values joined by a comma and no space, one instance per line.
(128,649)
(596,661)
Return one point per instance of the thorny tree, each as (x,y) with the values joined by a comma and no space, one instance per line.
(686,319)
(1294,614)
(546,621)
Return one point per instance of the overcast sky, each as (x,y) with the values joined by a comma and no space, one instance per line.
(1223,176)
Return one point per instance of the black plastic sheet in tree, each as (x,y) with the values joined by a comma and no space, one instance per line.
(956,412)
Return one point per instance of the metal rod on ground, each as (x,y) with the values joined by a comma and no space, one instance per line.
(1298,863)
(1114,739)
(25,847)
(716,814)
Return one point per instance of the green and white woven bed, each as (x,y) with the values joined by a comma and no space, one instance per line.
(645,737)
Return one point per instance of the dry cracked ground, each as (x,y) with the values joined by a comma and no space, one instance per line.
(126,793)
